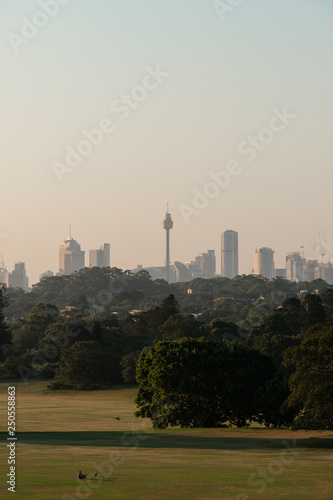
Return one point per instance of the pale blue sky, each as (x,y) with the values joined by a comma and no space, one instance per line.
(225,80)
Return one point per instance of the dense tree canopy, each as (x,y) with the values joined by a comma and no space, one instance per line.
(201,383)
(123,291)
(312,383)
(82,366)
(194,376)
(312,311)
(5,334)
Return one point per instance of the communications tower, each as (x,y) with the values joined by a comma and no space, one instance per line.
(167,225)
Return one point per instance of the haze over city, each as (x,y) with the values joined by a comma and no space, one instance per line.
(218,82)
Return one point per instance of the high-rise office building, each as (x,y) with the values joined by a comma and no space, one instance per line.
(325,272)
(229,254)
(264,262)
(71,257)
(309,270)
(294,266)
(18,278)
(105,248)
(101,257)
(206,264)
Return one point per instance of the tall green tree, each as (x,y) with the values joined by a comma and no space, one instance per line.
(312,383)
(274,403)
(82,365)
(178,326)
(5,333)
(168,308)
(200,383)
(250,370)
(327,299)
(223,330)
(312,311)
(182,383)
(291,310)
(272,337)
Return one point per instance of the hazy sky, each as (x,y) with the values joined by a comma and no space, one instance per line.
(225,78)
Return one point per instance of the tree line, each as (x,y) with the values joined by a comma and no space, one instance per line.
(275,369)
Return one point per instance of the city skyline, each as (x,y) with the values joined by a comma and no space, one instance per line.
(230,137)
(296,266)
(187,147)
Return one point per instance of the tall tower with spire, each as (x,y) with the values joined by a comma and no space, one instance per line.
(167,225)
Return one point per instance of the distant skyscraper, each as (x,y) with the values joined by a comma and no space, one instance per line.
(71,257)
(309,270)
(206,264)
(167,225)
(106,254)
(229,254)
(18,278)
(325,272)
(264,262)
(294,266)
(101,257)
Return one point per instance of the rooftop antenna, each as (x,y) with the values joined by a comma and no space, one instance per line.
(2,262)
(302,251)
(70,231)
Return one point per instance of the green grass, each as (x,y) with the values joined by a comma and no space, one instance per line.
(62,432)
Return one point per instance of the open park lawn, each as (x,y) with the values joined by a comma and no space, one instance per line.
(62,432)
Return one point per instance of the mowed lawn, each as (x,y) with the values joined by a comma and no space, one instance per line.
(62,432)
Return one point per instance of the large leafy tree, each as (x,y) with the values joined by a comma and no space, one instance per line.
(82,365)
(312,311)
(182,383)
(5,334)
(290,310)
(223,330)
(274,403)
(29,332)
(200,383)
(178,326)
(228,310)
(327,298)
(160,314)
(272,337)
(312,383)
(250,370)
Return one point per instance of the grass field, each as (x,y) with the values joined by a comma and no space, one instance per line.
(62,432)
